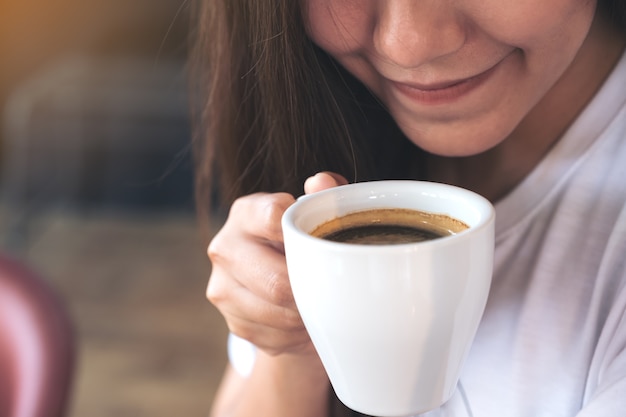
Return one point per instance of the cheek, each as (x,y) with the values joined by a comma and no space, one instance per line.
(339,26)
(536,25)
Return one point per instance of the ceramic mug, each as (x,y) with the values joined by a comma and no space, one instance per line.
(392,324)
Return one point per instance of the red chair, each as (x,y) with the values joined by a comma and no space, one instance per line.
(36,345)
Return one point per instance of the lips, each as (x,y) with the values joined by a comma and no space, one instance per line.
(443,92)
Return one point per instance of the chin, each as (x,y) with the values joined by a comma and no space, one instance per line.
(454,139)
(455,145)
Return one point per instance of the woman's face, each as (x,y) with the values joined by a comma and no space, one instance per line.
(457,75)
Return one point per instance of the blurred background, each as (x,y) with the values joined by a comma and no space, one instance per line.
(96,196)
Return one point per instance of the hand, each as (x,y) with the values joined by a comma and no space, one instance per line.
(249,282)
(322,181)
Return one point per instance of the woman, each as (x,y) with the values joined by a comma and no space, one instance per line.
(523,102)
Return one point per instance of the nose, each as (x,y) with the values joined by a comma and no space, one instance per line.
(409,33)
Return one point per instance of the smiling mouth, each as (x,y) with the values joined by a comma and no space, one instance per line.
(445,92)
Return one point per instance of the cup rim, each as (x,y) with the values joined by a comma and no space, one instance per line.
(288,221)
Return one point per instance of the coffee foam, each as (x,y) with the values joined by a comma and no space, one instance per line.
(436,222)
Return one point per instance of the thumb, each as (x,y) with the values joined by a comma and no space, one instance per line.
(322,181)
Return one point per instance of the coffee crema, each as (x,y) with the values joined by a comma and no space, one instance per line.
(388,226)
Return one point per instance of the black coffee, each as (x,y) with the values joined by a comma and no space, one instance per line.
(381,234)
(388,227)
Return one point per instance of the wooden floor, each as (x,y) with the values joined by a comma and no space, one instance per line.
(149,342)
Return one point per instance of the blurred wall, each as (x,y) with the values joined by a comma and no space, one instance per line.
(34,33)
(37,35)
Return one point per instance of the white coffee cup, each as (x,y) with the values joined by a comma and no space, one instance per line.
(392,324)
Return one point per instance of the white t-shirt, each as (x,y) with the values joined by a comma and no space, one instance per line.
(552,341)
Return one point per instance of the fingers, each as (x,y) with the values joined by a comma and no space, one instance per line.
(258,215)
(256,265)
(249,282)
(270,327)
(322,181)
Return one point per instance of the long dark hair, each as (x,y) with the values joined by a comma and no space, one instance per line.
(270,108)
(615,10)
